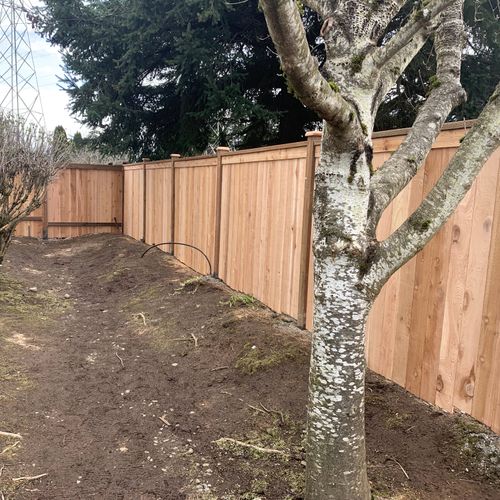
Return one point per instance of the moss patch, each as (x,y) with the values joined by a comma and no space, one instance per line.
(477,447)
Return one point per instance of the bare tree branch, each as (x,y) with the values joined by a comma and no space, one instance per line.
(322,7)
(289,37)
(447,93)
(29,160)
(384,12)
(442,200)
(420,23)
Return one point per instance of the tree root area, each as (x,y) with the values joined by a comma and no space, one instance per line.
(125,378)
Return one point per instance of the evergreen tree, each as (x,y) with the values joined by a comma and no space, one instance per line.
(60,134)
(164,76)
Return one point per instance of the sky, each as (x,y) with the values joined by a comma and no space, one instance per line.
(48,65)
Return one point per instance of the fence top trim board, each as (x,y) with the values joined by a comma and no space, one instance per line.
(464,125)
(91,166)
(384,141)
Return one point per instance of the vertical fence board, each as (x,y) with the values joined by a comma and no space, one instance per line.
(158,203)
(477,267)
(486,400)
(461,223)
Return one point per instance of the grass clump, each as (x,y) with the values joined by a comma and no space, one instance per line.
(13,375)
(191,285)
(19,304)
(114,274)
(254,359)
(239,299)
(398,420)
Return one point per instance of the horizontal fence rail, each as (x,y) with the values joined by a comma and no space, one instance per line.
(434,329)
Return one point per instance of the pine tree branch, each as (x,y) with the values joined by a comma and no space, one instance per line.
(446,94)
(301,68)
(443,199)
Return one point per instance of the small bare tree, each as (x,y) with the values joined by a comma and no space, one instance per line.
(29,160)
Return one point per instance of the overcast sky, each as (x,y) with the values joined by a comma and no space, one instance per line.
(48,64)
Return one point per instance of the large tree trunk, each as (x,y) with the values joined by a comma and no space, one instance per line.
(336,457)
(5,237)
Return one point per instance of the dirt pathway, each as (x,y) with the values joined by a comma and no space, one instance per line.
(123,375)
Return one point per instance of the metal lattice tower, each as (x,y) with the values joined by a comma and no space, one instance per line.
(19,90)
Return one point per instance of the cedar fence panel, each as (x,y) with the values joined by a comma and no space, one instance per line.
(194,218)
(434,329)
(83,199)
(261,224)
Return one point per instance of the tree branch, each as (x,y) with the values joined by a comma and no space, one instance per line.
(446,94)
(442,200)
(289,37)
(319,6)
(420,23)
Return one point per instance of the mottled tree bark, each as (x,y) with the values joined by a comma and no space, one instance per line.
(336,461)
(351,266)
(5,237)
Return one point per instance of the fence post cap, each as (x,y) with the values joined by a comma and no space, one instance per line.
(146,159)
(175,155)
(222,148)
(314,133)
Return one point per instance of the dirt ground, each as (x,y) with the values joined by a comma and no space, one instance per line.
(127,378)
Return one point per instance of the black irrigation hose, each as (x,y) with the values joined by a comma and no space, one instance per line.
(184,245)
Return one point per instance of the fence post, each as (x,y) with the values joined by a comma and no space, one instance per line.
(173,157)
(218,209)
(306,243)
(45,215)
(123,198)
(144,207)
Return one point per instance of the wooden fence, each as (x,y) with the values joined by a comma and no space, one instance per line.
(84,199)
(435,329)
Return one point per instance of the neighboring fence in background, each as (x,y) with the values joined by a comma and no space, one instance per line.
(435,327)
(84,199)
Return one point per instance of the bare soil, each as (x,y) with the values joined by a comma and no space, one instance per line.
(125,377)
